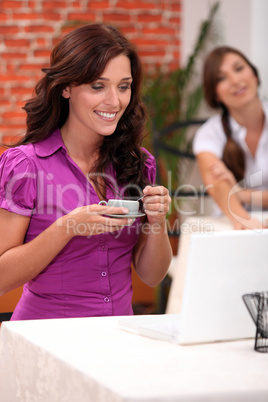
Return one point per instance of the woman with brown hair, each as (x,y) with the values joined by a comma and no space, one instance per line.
(232,147)
(85,126)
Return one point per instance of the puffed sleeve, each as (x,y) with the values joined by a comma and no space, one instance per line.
(17,182)
(150,166)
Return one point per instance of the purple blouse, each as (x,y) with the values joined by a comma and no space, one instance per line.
(91,276)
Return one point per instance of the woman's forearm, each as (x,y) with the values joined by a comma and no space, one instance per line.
(256,198)
(228,202)
(22,263)
(155,257)
(222,187)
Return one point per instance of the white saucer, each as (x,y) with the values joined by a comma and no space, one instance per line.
(138,215)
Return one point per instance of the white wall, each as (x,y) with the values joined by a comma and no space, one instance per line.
(241,23)
(259,37)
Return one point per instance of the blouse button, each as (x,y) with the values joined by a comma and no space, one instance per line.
(106,299)
(103,273)
(103,248)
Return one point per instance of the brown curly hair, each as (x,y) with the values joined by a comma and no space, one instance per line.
(80,58)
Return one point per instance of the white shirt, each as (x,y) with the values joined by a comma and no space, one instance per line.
(210,137)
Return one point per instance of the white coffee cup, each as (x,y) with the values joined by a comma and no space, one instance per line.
(131,205)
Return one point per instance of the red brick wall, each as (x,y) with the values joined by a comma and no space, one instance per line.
(30,28)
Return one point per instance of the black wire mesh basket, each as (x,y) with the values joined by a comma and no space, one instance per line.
(257,305)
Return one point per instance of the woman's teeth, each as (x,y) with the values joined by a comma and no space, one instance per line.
(106,115)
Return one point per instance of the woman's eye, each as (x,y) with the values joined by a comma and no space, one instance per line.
(124,87)
(97,87)
(239,68)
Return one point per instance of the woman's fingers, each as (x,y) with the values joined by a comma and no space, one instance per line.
(95,219)
(156,203)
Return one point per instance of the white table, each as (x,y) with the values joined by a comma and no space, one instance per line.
(92,359)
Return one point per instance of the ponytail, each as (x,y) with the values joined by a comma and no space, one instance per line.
(233,155)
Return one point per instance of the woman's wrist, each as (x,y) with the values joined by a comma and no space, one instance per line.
(159,227)
(65,227)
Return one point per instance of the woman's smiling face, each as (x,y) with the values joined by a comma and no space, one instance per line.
(237,83)
(98,106)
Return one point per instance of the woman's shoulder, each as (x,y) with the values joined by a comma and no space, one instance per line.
(210,136)
(150,164)
(150,159)
(17,164)
(17,156)
(212,123)
(18,180)
(149,156)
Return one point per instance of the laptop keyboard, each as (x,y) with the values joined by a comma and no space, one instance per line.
(165,327)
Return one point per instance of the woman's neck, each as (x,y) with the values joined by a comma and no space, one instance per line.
(251,116)
(80,145)
(81,148)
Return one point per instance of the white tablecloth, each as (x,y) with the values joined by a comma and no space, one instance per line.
(92,359)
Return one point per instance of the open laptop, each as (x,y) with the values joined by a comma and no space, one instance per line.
(221,268)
